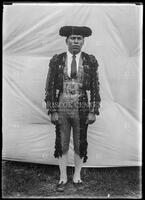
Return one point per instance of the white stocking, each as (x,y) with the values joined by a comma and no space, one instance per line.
(78,166)
(63,167)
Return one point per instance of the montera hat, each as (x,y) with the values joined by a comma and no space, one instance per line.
(75,30)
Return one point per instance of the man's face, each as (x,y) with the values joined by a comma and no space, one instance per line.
(75,43)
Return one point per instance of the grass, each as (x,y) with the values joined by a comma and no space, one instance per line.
(21,179)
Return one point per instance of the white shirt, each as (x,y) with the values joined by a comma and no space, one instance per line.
(69,61)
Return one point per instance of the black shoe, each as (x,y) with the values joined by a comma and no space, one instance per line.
(79,185)
(61,187)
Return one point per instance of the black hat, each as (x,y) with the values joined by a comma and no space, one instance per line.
(75,30)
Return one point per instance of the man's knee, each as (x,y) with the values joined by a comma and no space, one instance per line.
(65,148)
(76,150)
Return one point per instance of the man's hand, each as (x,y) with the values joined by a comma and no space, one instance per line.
(91,118)
(54,118)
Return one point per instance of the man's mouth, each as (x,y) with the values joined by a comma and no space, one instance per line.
(76,46)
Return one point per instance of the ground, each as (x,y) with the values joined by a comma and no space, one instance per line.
(21,179)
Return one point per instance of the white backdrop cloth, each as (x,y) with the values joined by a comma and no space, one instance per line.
(30,39)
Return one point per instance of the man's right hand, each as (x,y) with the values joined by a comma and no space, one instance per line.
(54,118)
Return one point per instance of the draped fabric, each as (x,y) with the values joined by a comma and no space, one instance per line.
(30,39)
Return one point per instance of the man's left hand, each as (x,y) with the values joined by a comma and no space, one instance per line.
(91,118)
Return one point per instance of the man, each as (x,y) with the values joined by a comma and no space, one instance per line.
(71,74)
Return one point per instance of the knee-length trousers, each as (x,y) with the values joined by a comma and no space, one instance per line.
(69,120)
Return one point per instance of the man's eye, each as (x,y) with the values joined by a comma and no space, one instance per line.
(76,38)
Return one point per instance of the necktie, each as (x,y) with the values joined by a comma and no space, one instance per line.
(73,67)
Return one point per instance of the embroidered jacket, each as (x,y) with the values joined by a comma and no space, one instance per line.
(54,82)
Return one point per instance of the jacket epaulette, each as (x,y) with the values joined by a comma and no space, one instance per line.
(93,59)
(54,59)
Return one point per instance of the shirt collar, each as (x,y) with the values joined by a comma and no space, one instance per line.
(70,55)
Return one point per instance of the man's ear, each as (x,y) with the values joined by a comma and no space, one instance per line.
(83,40)
(66,40)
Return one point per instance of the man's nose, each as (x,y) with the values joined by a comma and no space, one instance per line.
(76,40)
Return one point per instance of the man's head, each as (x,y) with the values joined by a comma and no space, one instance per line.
(75,37)
(75,43)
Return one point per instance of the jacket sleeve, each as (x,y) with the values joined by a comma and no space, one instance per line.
(50,87)
(94,86)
